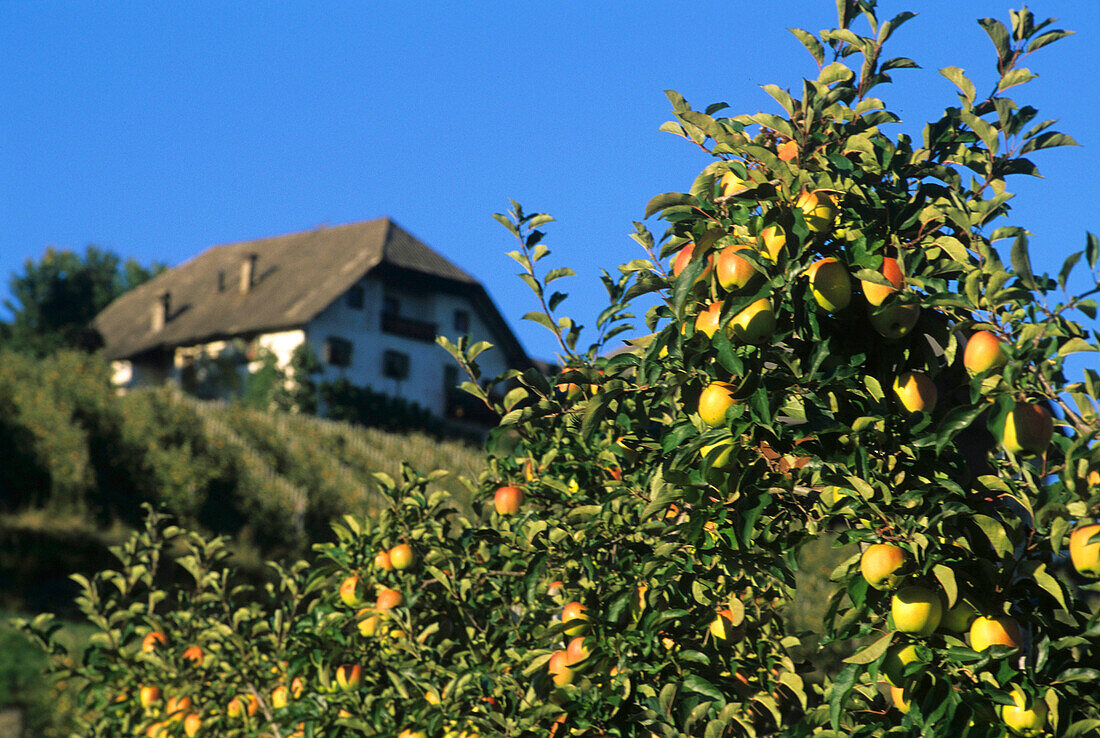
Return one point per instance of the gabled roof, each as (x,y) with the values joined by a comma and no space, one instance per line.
(296,277)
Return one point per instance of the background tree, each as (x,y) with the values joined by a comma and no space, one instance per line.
(56,298)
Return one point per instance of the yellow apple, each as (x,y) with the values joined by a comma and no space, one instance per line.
(192,724)
(715,401)
(368,623)
(830,284)
(897,694)
(756,323)
(897,658)
(1000,630)
(916,391)
(1026,716)
(708,318)
(881,565)
(787,150)
(1028,428)
(876,293)
(723,457)
(149,695)
(774,240)
(895,320)
(817,208)
(984,351)
(916,610)
(402,556)
(1084,555)
(280,696)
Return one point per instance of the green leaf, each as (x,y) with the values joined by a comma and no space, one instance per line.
(696,683)
(558,274)
(1075,345)
(1092,249)
(1021,262)
(781,96)
(946,577)
(995,532)
(1047,38)
(1047,141)
(872,652)
(1067,267)
(961,81)
(1015,77)
(998,34)
(839,690)
(811,43)
(669,199)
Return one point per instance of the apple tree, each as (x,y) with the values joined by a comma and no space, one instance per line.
(838,348)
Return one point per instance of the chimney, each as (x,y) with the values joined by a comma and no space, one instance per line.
(248,272)
(162,309)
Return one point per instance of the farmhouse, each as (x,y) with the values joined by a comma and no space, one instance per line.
(368,298)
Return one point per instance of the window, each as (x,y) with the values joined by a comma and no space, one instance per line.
(450,377)
(355,297)
(390,305)
(337,351)
(462,321)
(395,365)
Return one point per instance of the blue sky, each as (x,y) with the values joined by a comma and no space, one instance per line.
(156,130)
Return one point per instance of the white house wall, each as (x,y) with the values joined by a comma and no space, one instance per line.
(427,361)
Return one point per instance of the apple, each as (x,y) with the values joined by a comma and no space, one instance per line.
(349,677)
(1084,555)
(559,668)
(175,708)
(280,696)
(756,323)
(1028,428)
(388,599)
(723,457)
(577,614)
(875,292)
(508,500)
(916,391)
(708,318)
(895,320)
(368,624)
(897,694)
(410,733)
(1026,716)
(984,351)
(297,686)
(830,284)
(787,150)
(1000,630)
(431,697)
(683,258)
(774,240)
(818,209)
(192,724)
(916,610)
(194,655)
(234,709)
(715,401)
(382,561)
(881,565)
(149,695)
(402,556)
(351,591)
(897,658)
(734,272)
(554,588)
(722,627)
(576,651)
(152,641)
(158,729)
(959,618)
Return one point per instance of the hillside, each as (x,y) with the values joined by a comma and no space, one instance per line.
(81,459)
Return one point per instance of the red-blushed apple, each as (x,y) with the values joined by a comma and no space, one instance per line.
(388,599)
(1028,428)
(707,320)
(192,724)
(176,707)
(999,630)
(876,293)
(575,615)
(916,610)
(915,391)
(830,284)
(683,258)
(901,702)
(733,270)
(153,641)
(576,651)
(351,591)
(895,320)
(774,239)
(508,500)
(558,666)
(149,695)
(724,626)
(881,565)
(984,351)
(382,561)
(402,556)
(193,655)
(349,677)
(1085,555)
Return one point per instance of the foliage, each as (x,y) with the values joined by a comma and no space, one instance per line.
(57,297)
(671,487)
